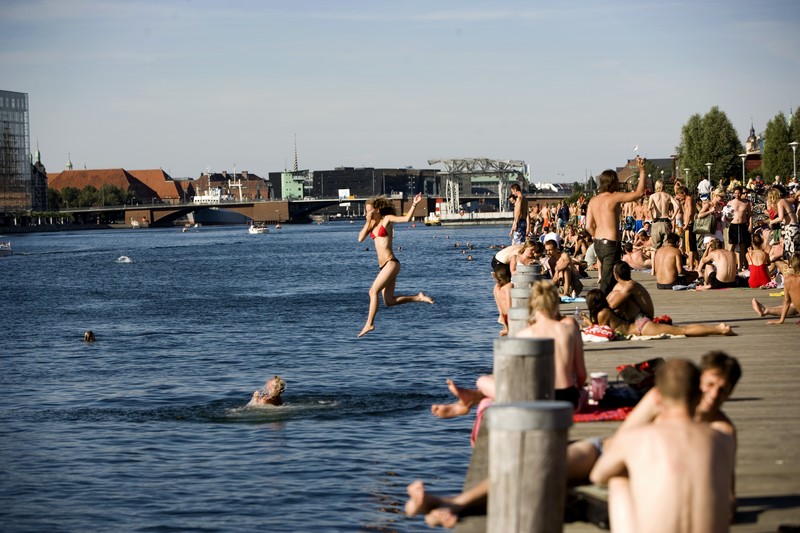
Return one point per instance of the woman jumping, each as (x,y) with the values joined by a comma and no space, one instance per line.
(381,214)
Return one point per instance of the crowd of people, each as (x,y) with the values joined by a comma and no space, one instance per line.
(689,484)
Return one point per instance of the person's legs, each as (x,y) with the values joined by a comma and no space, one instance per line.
(608,253)
(690,330)
(467,398)
(389,297)
(763,310)
(386,276)
(422,502)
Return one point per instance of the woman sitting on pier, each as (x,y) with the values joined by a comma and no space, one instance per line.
(381,214)
(600,313)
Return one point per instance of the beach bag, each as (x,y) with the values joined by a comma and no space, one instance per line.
(704,225)
(640,376)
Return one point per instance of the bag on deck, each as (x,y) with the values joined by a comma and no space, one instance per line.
(640,376)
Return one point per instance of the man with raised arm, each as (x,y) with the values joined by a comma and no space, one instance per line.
(602,221)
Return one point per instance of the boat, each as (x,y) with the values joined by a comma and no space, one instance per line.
(256,229)
(433,220)
(5,249)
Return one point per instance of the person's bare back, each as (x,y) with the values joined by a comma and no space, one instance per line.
(570,369)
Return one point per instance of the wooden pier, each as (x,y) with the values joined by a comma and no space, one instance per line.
(765,405)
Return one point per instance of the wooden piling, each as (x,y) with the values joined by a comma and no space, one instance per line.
(527,466)
(520,297)
(517,320)
(523,281)
(524,370)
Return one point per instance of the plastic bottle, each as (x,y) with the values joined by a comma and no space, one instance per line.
(577,315)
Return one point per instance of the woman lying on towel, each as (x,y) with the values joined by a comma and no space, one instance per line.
(600,313)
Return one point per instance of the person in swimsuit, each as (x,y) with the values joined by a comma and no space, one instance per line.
(270,394)
(758,263)
(600,313)
(380,215)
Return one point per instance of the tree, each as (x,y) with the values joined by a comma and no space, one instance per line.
(89,197)
(709,139)
(794,126)
(690,151)
(54,199)
(70,196)
(776,158)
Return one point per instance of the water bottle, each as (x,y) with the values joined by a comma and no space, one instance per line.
(577,316)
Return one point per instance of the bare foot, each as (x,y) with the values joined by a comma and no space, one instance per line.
(758,308)
(726,330)
(422,297)
(449,410)
(366,330)
(420,502)
(443,516)
(468,397)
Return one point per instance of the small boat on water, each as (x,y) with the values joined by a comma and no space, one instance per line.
(433,220)
(256,229)
(5,249)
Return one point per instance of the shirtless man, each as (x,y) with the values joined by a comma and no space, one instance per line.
(562,269)
(724,261)
(639,214)
(629,222)
(689,208)
(741,226)
(635,257)
(720,373)
(685,487)
(519,228)
(791,289)
(662,208)
(668,264)
(270,394)
(628,298)
(602,221)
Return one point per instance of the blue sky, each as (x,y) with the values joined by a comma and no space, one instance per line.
(569,87)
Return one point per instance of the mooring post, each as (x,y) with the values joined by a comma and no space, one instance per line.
(527,466)
(535,269)
(524,370)
(520,297)
(517,320)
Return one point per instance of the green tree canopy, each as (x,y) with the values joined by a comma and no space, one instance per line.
(776,158)
(710,139)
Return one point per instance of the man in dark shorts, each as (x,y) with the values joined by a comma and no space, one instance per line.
(740,227)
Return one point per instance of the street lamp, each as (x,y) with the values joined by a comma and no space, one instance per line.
(686,170)
(709,170)
(743,156)
(794,144)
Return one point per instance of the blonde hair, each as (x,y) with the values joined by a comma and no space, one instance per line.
(773,196)
(659,185)
(544,297)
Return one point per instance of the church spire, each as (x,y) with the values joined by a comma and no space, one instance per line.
(69,162)
(38,153)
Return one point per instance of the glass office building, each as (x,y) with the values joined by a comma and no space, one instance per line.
(15,166)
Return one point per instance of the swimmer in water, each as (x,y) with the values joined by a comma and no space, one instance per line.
(270,394)
(88,336)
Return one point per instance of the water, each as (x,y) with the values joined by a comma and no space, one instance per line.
(146,429)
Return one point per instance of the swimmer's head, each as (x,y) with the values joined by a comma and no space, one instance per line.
(275,386)
(88,336)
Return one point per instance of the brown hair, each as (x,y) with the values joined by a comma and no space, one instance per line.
(723,363)
(383,205)
(678,380)
(608,181)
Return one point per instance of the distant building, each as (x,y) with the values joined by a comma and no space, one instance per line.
(362,182)
(146,186)
(23,185)
(244,185)
(664,167)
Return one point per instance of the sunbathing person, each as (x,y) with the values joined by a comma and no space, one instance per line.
(570,369)
(668,265)
(629,298)
(791,289)
(635,257)
(600,313)
(270,394)
(720,374)
(685,486)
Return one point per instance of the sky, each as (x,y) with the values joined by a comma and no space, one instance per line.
(569,87)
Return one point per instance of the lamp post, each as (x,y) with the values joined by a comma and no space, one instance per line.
(743,156)
(686,170)
(794,144)
(709,172)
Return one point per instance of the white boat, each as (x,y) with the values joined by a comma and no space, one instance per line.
(5,249)
(433,220)
(256,229)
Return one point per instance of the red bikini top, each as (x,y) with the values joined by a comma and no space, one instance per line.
(381,232)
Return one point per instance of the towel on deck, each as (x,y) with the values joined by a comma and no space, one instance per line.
(652,337)
(595,413)
(571,300)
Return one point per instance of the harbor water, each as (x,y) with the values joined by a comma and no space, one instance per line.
(146,429)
